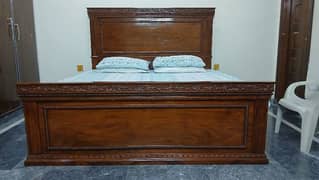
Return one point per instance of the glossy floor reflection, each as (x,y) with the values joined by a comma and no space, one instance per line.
(286,162)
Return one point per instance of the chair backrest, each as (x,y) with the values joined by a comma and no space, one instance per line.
(312,90)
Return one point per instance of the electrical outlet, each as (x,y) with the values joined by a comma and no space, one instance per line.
(80,68)
(216,67)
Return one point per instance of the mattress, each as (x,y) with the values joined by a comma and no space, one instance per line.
(96,76)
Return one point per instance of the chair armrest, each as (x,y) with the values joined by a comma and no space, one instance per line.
(290,91)
(312,93)
(291,95)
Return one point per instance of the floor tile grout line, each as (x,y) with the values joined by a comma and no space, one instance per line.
(313,156)
(2,131)
(17,165)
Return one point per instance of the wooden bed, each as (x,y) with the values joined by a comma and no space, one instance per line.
(146,123)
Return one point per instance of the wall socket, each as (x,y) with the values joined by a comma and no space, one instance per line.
(216,67)
(80,68)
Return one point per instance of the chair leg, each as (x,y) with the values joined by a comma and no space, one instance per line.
(308,128)
(278,119)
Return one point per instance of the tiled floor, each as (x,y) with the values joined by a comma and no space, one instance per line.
(12,118)
(286,162)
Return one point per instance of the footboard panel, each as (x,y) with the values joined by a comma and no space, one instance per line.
(191,124)
(176,127)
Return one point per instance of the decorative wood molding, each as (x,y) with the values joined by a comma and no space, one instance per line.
(143,89)
(149,158)
(145,156)
(150,11)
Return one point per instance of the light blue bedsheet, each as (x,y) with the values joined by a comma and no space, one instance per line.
(95,76)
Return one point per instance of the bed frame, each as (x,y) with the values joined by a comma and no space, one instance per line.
(146,123)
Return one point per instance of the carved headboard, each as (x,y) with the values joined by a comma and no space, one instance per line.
(146,33)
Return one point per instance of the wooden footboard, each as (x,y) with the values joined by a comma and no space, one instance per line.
(129,123)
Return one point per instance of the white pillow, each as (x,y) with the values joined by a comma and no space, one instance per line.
(179,70)
(123,62)
(121,70)
(178,61)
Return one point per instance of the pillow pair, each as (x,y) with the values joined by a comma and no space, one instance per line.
(180,63)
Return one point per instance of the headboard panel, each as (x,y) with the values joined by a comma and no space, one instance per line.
(146,33)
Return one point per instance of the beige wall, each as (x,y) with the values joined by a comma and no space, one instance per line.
(245,34)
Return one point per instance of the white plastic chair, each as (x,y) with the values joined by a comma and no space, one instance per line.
(308,109)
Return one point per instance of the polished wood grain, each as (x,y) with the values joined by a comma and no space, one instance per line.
(146,122)
(107,125)
(142,123)
(147,33)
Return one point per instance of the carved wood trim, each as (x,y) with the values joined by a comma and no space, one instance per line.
(143,89)
(145,156)
(114,12)
(164,158)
